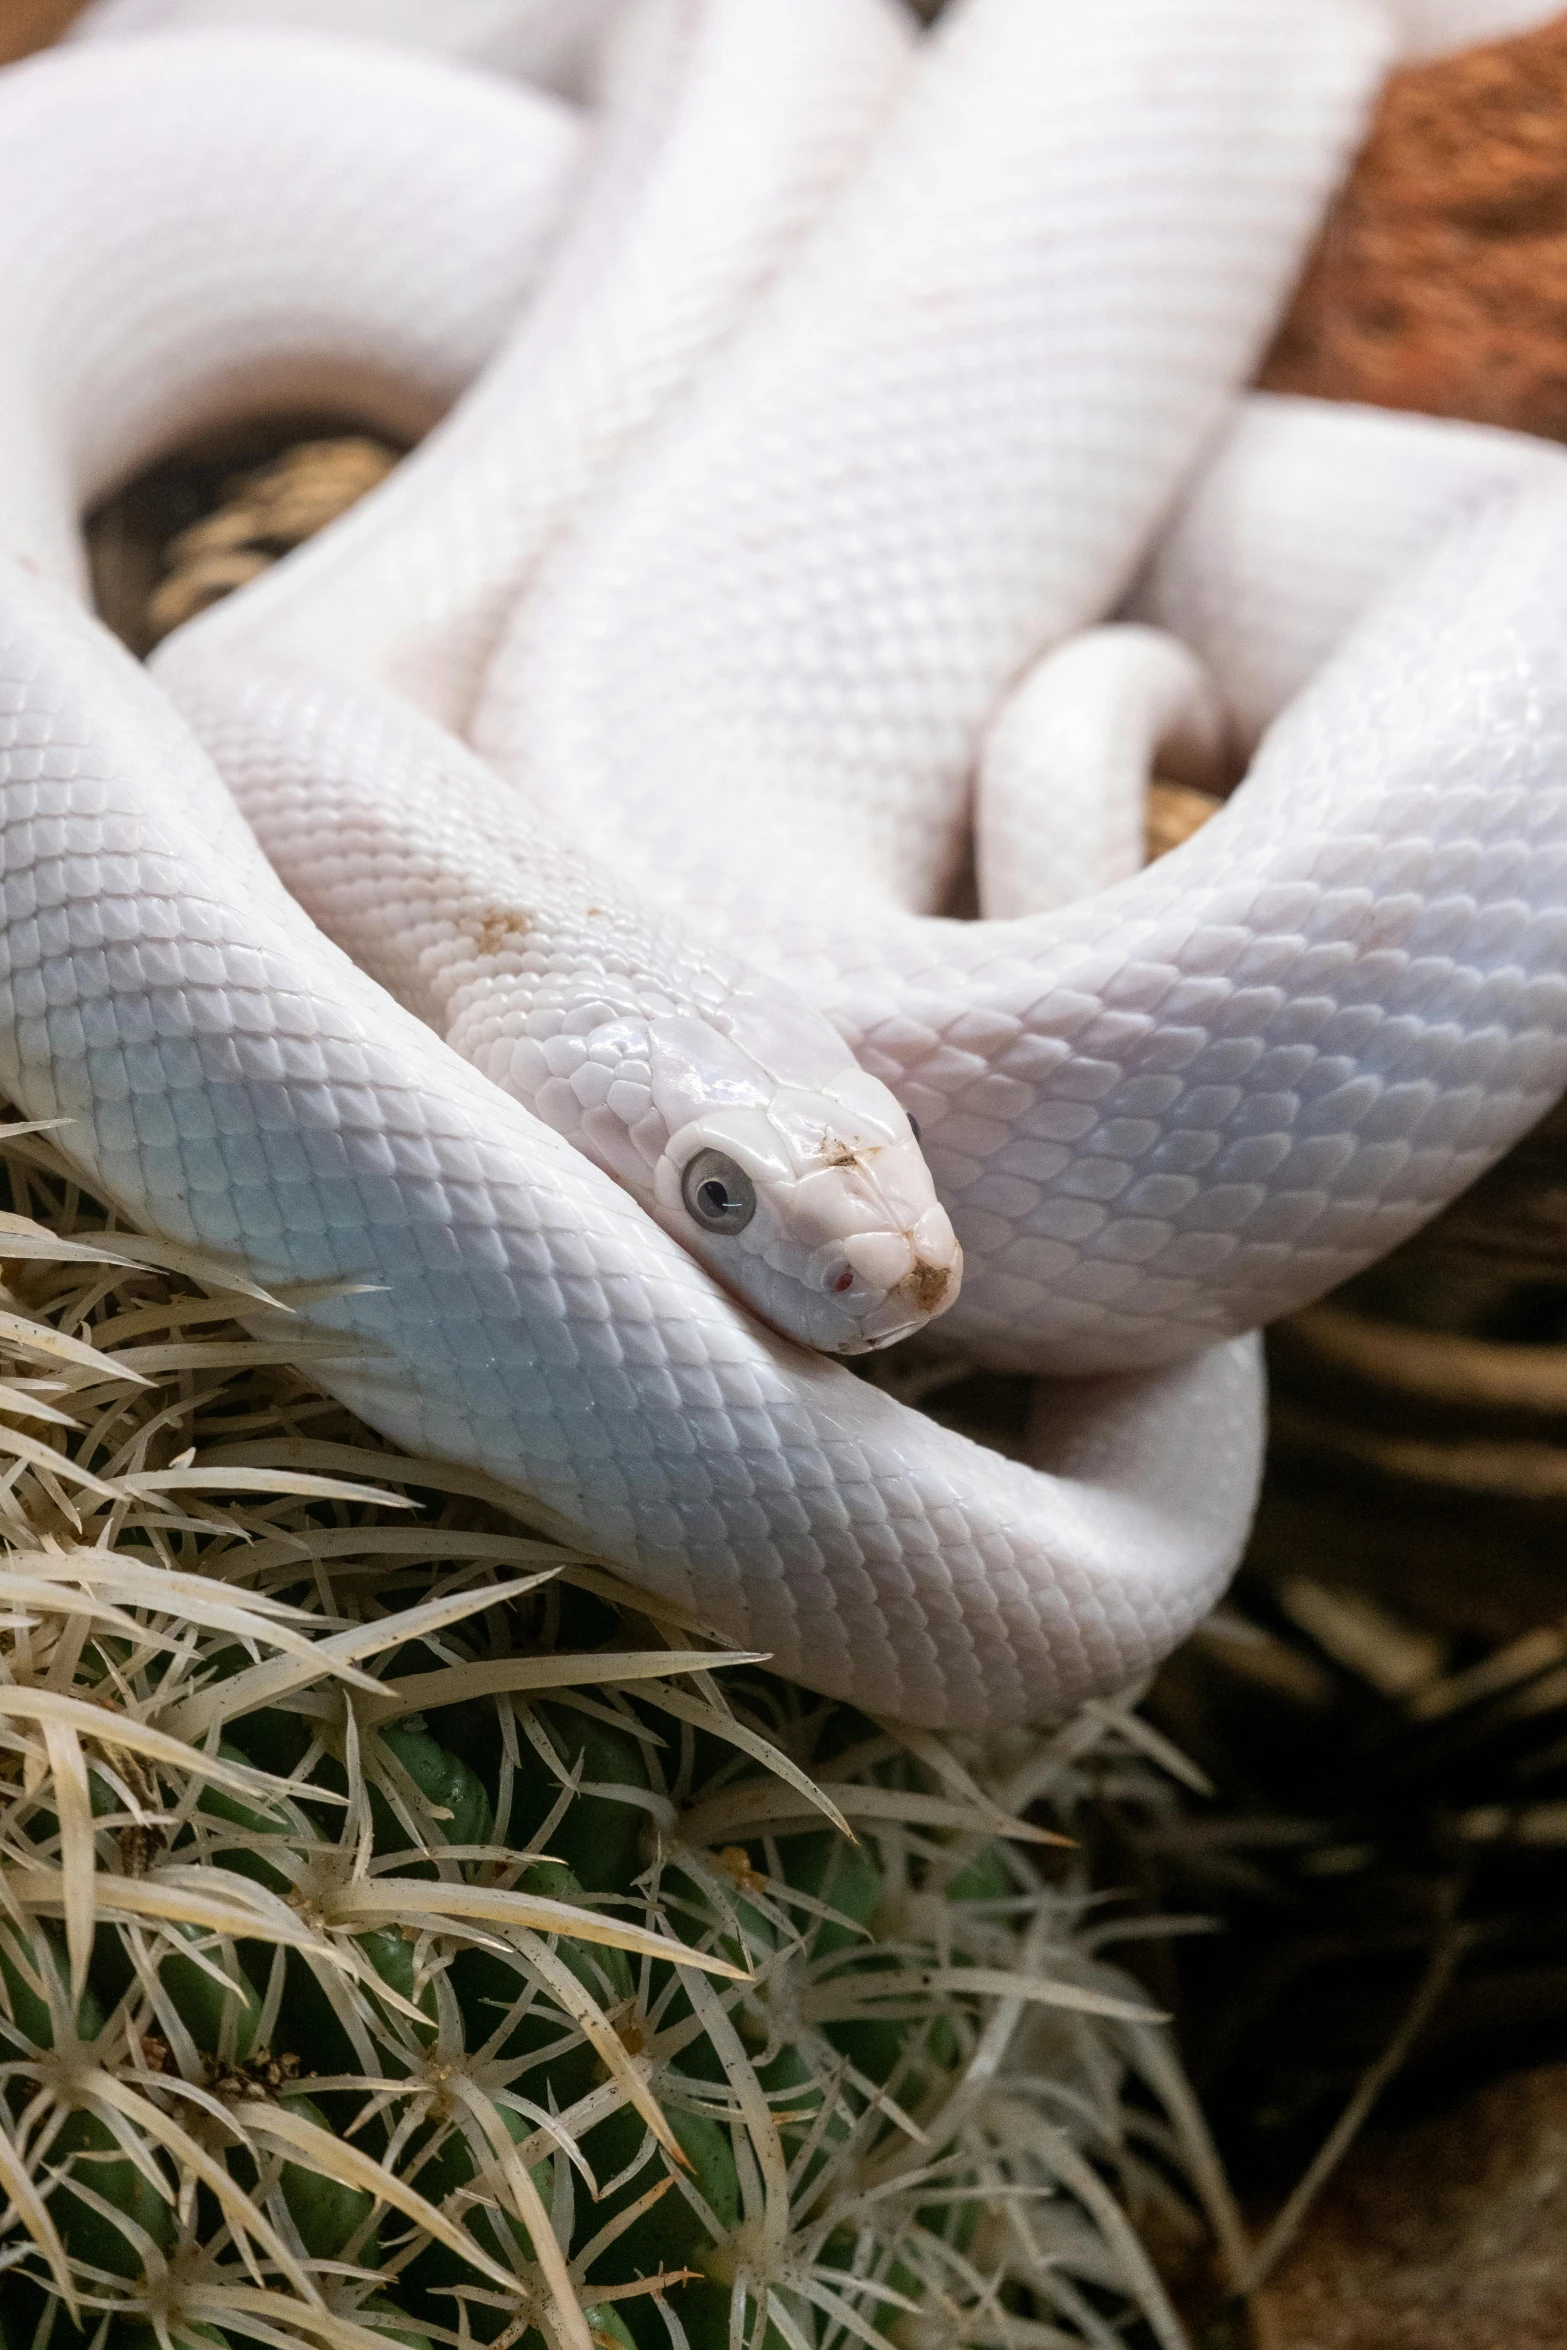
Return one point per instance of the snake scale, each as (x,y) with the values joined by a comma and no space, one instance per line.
(856,448)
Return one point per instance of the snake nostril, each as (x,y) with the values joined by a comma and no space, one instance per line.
(928,1285)
(843,1281)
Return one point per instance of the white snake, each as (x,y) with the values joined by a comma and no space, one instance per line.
(827,495)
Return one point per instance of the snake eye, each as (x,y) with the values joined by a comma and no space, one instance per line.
(719,1195)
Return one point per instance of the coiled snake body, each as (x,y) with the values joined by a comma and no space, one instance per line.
(806,444)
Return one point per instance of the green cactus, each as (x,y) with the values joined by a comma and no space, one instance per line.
(514,1979)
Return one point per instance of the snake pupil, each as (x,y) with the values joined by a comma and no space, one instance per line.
(719,1195)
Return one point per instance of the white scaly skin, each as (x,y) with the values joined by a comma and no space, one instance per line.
(1061,797)
(1216,1090)
(234,1079)
(1144,1139)
(553,42)
(1306,513)
(646,1048)
(1257,1066)
(920,465)
(677,227)
(193,315)
(1062,789)
(669,1065)
(550,40)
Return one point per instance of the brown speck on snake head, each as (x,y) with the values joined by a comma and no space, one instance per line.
(926,1285)
(501,928)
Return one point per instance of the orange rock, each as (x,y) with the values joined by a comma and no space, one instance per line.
(32,24)
(1440,278)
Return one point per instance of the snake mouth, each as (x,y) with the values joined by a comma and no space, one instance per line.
(926,1290)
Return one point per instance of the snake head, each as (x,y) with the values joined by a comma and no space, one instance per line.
(797,1179)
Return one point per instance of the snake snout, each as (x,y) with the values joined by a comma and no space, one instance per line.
(932,1288)
(904,1279)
